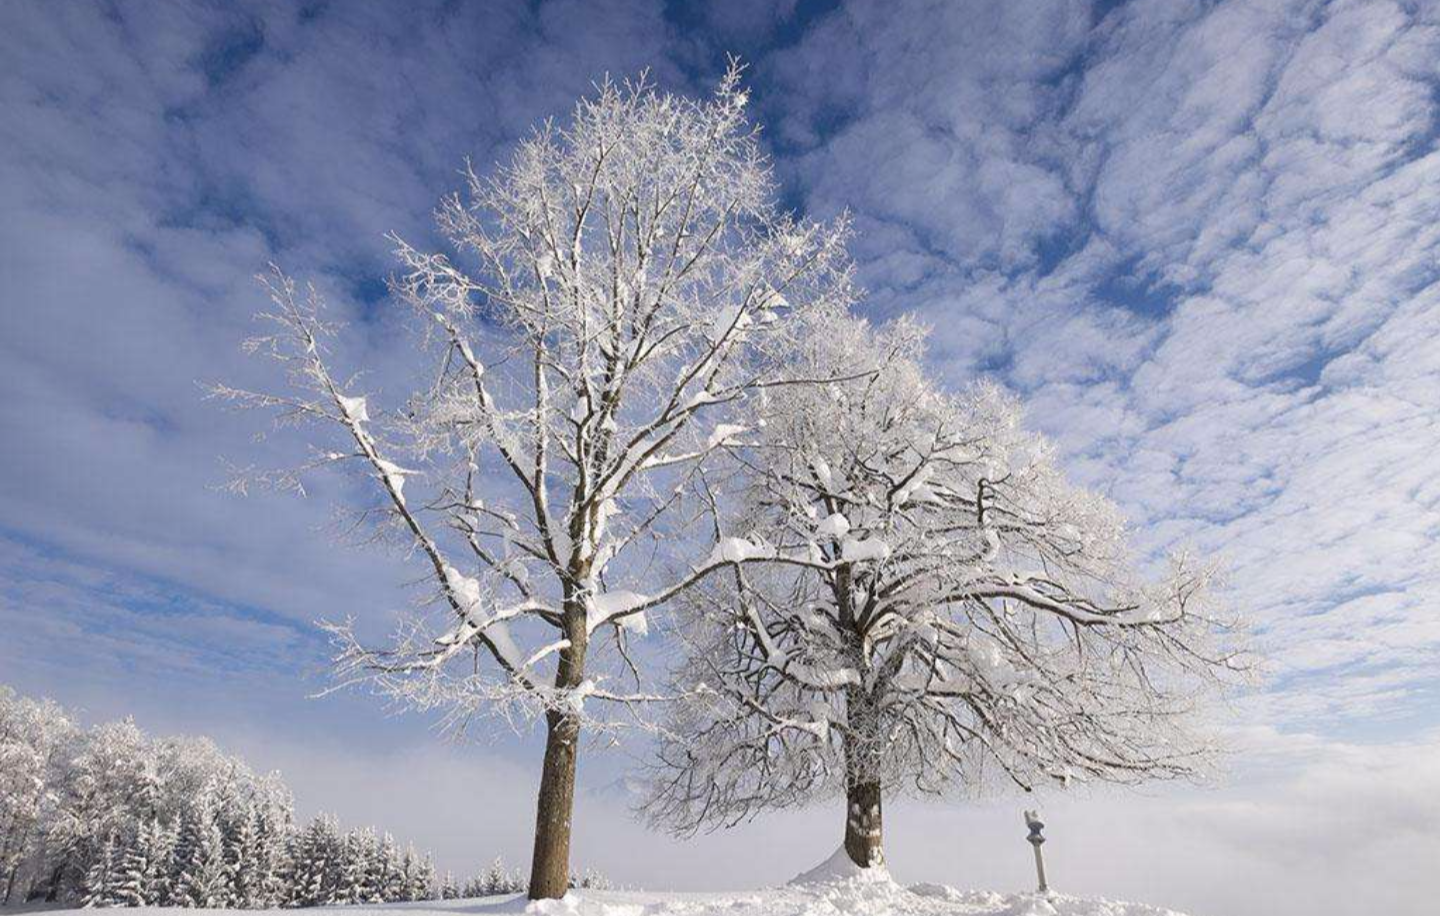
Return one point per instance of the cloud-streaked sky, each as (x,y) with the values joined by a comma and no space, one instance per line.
(1201,239)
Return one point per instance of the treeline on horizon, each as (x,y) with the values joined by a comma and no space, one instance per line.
(108,816)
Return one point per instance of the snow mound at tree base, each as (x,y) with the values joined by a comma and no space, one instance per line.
(839,867)
(840,897)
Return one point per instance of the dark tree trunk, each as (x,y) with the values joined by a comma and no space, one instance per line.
(53,894)
(863,817)
(863,825)
(550,865)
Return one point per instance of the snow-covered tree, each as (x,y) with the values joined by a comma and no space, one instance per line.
(36,738)
(944,605)
(360,849)
(106,780)
(315,863)
(497,879)
(274,808)
(591,880)
(203,872)
(143,873)
(102,878)
(449,889)
(247,859)
(624,283)
(419,875)
(390,875)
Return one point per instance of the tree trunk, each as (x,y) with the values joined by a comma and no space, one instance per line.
(53,894)
(863,833)
(550,867)
(863,823)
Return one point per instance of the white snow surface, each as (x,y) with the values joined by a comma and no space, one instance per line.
(848,897)
(833,888)
(839,867)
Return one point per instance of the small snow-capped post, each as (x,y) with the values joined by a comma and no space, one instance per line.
(1032,820)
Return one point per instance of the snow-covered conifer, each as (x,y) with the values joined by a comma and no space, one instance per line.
(102,878)
(203,876)
(142,873)
(419,875)
(315,863)
(244,854)
(449,889)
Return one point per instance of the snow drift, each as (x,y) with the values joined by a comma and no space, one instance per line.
(827,890)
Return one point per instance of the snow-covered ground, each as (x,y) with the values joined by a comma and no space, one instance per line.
(832,888)
(850,898)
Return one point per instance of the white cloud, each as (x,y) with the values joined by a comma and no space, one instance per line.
(1238,336)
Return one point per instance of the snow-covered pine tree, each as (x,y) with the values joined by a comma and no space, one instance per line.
(130,870)
(244,857)
(390,879)
(274,825)
(357,867)
(160,879)
(418,874)
(427,884)
(496,879)
(292,876)
(449,890)
(187,837)
(379,879)
(405,874)
(634,278)
(142,872)
(590,880)
(102,878)
(942,603)
(315,870)
(204,871)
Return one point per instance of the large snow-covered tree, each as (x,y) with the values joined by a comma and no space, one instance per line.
(36,741)
(616,291)
(109,777)
(943,604)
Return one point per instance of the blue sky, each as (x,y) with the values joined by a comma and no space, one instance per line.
(1199,238)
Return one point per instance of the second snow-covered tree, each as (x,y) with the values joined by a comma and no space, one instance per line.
(939,604)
